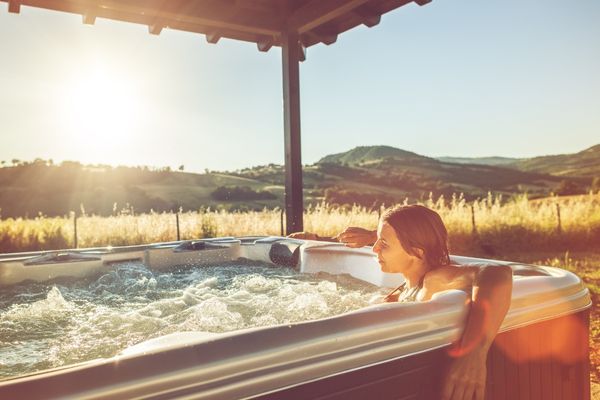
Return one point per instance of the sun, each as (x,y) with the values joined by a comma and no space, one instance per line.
(101,115)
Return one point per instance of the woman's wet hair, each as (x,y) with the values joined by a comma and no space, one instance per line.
(418,227)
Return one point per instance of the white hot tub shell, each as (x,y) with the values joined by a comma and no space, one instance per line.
(389,350)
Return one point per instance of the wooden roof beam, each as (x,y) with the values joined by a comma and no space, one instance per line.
(325,35)
(213,37)
(219,15)
(318,12)
(369,16)
(422,2)
(264,5)
(223,16)
(155,29)
(14,6)
(301,52)
(89,17)
(265,44)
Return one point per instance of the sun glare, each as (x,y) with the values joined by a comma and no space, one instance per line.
(101,116)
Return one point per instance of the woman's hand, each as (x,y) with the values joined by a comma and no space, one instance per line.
(490,300)
(357,237)
(465,377)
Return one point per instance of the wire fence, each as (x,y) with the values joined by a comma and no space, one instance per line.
(491,222)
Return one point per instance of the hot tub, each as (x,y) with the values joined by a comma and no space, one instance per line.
(391,350)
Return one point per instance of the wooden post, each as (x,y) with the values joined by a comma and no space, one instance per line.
(473,225)
(177,221)
(558,226)
(294,207)
(281,220)
(75,230)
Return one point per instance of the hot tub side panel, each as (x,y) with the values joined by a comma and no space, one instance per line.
(545,360)
(414,377)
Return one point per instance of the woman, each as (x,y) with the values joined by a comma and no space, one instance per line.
(412,240)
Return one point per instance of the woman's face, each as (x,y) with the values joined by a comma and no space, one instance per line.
(390,254)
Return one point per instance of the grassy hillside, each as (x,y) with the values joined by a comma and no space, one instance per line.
(57,190)
(586,163)
(366,175)
(362,154)
(480,160)
(403,174)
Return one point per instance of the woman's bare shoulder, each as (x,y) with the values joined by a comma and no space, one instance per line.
(450,277)
(449,272)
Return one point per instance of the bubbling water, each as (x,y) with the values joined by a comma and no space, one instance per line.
(49,325)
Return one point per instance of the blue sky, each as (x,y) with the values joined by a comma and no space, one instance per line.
(452,78)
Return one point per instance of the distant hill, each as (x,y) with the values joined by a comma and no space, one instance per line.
(480,160)
(366,175)
(396,174)
(585,163)
(56,190)
(364,154)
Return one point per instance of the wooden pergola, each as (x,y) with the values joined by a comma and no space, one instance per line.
(293,25)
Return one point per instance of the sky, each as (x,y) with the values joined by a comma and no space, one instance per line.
(452,78)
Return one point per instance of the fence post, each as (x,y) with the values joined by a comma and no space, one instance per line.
(558,227)
(473,225)
(281,220)
(75,230)
(177,221)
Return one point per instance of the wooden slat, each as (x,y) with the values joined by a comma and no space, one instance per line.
(511,371)
(535,373)
(521,338)
(499,362)
(555,341)
(584,367)
(14,6)
(318,12)
(396,385)
(257,5)
(368,15)
(546,364)
(414,377)
(265,44)
(198,13)
(312,37)
(247,20)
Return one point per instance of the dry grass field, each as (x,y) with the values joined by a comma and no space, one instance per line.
(492,225)
(561,232)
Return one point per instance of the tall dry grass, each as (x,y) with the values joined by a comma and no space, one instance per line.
(515,224)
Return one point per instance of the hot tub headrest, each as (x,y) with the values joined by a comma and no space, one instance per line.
(285,252)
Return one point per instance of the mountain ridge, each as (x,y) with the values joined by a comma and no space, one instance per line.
(366,175)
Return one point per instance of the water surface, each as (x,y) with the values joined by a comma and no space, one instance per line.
(46,325)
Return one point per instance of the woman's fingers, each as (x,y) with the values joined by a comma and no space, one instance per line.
(353,245)
(447,391)
(480,392)
(468,393)
(354,235)
(303,235)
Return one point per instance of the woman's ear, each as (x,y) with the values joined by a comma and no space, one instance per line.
(420,253)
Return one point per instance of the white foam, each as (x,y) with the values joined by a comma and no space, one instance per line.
(69,322)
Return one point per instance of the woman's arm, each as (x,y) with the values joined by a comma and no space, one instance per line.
(312,236)
(351,237)
(490,300)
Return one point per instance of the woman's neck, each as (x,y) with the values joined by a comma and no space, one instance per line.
(414,274)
